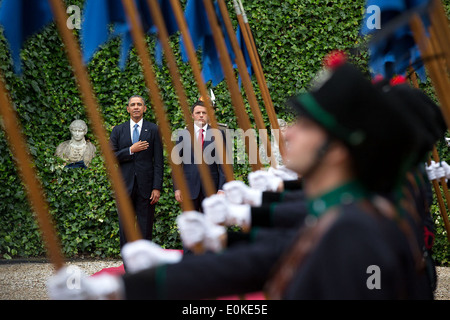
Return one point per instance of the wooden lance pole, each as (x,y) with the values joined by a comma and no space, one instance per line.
(256,63)
(440,80)
(435,183)
(28,174)
(236,97)
(439,24)
(248,87)
(441,84)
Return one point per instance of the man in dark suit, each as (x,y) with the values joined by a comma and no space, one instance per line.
(204,135)
(138,148)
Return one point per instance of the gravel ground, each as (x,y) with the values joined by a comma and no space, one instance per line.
(26,281)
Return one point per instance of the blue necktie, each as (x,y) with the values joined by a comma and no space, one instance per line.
(135,134)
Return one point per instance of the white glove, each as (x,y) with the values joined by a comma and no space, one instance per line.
(197,232)
(264,181)
(439,171)
(446,169)
(220,211)
(143,254)
(70,283)
(238,192)
(430,171)
(283,173)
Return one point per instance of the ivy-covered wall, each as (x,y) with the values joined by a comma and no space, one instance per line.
(292,37)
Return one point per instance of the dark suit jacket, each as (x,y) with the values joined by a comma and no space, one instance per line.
(190,168)
(147,165)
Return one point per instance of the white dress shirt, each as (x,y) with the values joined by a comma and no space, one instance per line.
(197,131)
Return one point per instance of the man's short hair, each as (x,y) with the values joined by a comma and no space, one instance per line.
(136,96)
(197,103)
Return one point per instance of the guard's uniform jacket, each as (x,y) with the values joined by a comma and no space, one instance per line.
(353,251)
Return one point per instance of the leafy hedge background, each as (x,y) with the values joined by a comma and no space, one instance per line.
(292,37)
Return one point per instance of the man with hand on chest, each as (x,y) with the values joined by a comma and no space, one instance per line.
(139,151)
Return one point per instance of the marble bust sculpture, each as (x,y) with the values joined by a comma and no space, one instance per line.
(77,152)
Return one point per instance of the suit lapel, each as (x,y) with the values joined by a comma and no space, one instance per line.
(145,132)
(127,133)
(208,136)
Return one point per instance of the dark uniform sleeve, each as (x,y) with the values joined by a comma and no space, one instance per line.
(241,269)
(293,184)
(269,197)
(289,213)
(283,216)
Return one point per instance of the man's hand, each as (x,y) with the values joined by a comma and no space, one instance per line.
(139,146)
(178,196)
(154,198)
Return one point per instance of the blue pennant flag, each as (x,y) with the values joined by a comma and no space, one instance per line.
(212,68)
(202,37)
(106,19)
(20,19)
(198,25)
(396,51)
(171,25)
(245,53)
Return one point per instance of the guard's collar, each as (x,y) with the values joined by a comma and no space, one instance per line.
(348,193)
